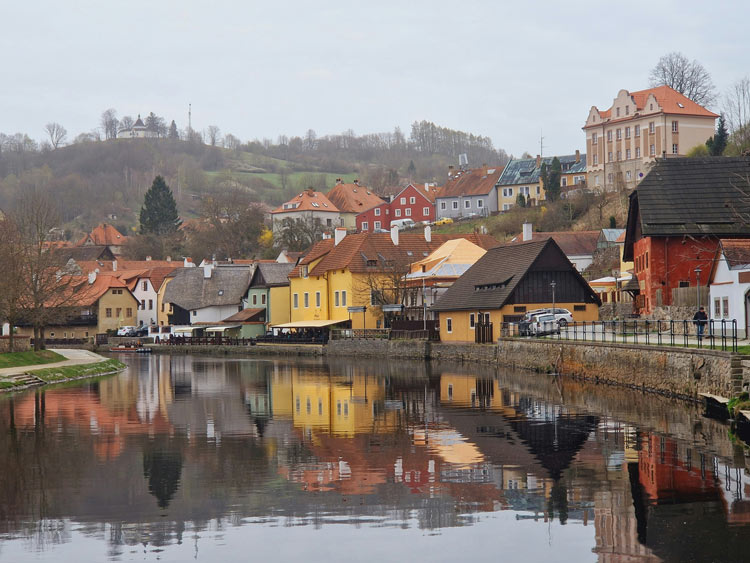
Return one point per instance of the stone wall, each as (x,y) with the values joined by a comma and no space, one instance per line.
(379,348)
(677,372)
(613,311)
(20,343)
(463,352)
(259,350)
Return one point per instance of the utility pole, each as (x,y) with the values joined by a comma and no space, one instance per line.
(190,118)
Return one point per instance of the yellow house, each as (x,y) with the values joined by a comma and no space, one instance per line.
(363,271)
(507,282)
(163,309)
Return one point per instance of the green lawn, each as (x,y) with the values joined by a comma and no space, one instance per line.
(16,359)
(73,372)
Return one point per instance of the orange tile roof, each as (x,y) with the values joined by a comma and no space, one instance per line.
(471,182)
(104,235)
(309,200)
(85,293)
(430,193)
(572,243)
(319,249)
(356,250)
(353,198)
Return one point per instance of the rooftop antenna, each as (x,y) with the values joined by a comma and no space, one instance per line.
(541,143)
(190,117)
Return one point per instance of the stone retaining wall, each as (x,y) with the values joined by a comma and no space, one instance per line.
(259,350)
(20,343)
(379,348)
(465,352)
(678,372)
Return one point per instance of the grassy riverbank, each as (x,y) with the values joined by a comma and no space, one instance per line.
(30,358)
(64,373)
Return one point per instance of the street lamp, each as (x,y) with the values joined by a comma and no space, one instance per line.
(698,285)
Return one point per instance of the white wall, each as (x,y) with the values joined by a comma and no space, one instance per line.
(145,316)
(726,284)
(214,314)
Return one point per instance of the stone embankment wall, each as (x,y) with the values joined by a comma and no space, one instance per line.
(20,343)
(677,372)
(379,348)
(259,350)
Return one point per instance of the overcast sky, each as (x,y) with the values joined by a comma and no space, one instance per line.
(509,70)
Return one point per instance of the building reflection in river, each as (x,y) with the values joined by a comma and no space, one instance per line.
(179,439)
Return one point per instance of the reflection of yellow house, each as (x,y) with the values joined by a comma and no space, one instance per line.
(467,390)
(507,282)
(359,270)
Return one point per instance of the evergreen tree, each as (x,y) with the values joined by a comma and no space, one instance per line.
(552,185)
(718,142)
(173,134)
(521,200)
(159,211)
(412,170)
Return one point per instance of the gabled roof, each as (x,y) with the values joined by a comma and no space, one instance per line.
(271,274)
(309,200)
(103,235)
(451,259)
(353,198)
(736,252)
(86,294)
(87,253)
(691,196)
(189,289)
(373,252)
(318,250)
(246,315)
(490,283)
(429,192)
(572,243)
(526,171)
(612,235)
(470,182)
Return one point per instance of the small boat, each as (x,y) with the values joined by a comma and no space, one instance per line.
(130,348)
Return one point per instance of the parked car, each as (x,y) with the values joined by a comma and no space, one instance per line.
(444,221)
(141,331)
(402,223)
(544,324)
(562,316)
(126,331)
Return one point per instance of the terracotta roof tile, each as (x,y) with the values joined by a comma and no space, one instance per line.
(353,198)
(309,200)
(572,243)
(104,235)
(471,182)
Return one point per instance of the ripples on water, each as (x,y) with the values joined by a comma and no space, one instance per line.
(181,458)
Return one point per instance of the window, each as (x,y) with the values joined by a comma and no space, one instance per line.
(619,134)
(303,271)
(450,392)
(609,156)
(317,299)
(398,213)
(627,154)
(652,150)
(376,225)
(480,203)
(596,159)
(408,211)
(335,298)
(638,152)
(150,304)
(609,136)
(412,200)
(295,301)
(403,201)
(627,175)
(594,138)
(651,127)
(579,307)
(619,156)
(329,223)
(108,313)
(449,325)
(143,304)
(674,127)
(425,211)
(255,299)
(471,321)
(377,212)
(717,307)
(455,205)
(508,192)
(506,206)
(725,301)
(596,180)
(467,204)
(627,110)
(118,312)
(374,297)
(307,300)
(442,205)
(674,149)
(564,181)
(365,225)
(637,130)
(609,178)
(263,299)
(537,190)
(343,298)
(627,132)
(144,286)
(129,312)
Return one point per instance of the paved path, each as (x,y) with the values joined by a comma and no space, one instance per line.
(74,357)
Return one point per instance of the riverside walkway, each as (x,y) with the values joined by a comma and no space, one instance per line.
(74,357)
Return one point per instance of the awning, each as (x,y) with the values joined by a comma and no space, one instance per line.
(308,324)
(187,329)
(221,328)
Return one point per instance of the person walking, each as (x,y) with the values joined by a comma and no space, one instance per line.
(699,320)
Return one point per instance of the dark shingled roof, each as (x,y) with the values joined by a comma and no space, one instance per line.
(226,286)
(491,281)
(87,253)
(271,275)
(691,196)
(525,170)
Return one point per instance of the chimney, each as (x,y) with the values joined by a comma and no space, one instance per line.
(527,233)
(394,235)
(187,263)
(169,258)
(356,182)
(427,187)
(339,235)
(338,181)
(428,233)
(450,171)
(148,258)
(538,160)
(207,271)
(578,156)
(114,265)
(92,276)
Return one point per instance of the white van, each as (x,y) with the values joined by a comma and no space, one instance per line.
(403,223)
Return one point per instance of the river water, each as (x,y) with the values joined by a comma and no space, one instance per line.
(185,458)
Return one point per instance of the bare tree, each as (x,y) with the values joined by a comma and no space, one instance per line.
(11,282)
(688,78)
(109,123)
(126,122)
(737,112)
(298,234)
(214,135)
(57,134)
(231,142)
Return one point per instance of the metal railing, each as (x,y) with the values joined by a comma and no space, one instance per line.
(715,334)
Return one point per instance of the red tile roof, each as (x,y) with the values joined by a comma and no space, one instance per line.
(430,192)
(353,198)
(572,243)
(736,251)
(319,249)
(104,235)
(471,182)
(309,200)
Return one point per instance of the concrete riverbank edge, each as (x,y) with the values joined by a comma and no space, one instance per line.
(683,373)
(55,376)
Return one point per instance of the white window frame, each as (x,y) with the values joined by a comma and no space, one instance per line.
(317,299)
(365,225)
(449,325)
(675,148)
(336,299)
(652,150)
(295,300)
(377,212)
(638,152)
(412,200)
(343,298)
(472,321)
(425,211)
(637,130)
(443,205)
(594,139)
(398,213)
(467,204)
(675,127)
(403,201)
(408,211)
(651,127)
(455,204)
(480,203)
(376,226)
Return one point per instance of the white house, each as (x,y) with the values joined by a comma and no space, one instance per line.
(729,290)
(308,206)
(137,131)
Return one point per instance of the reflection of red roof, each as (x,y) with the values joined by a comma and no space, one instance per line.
(103,235)
(309,200)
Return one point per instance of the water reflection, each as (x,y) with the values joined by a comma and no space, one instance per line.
(176,445)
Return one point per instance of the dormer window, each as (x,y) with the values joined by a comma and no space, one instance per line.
(303,271)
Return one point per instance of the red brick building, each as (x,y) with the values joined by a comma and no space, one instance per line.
(676,217)
(413,202)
